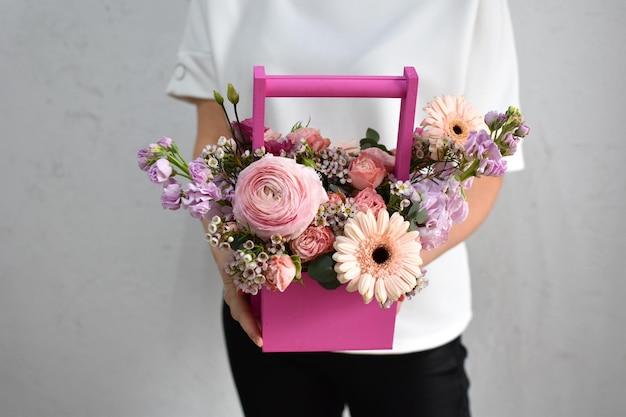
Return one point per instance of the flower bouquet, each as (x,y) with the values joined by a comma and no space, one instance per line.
(299,209)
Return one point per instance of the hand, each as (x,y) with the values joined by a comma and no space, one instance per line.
(240,310)
(211,125)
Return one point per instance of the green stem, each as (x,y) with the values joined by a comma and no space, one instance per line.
(471,171)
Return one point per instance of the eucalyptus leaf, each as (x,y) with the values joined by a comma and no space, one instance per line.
(421,217)
(372,134)
(368,143)
(322,270)
(333,285)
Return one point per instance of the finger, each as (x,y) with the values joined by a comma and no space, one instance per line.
(241,311)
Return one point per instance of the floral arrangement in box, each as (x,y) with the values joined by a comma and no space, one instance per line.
(301,204)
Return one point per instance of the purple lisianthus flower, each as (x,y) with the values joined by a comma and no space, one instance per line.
(146,156)
(165,142)
(160,171)
(243,131)
(199,171)
(198,198)
(143,158)
(171,196)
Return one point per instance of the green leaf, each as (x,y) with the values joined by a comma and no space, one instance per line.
(309,162)
(333,285)
(372,134)
(368,143)
(421,217)
(298,264)
(322,270)
(416,215)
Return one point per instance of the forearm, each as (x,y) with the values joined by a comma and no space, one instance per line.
(481,199)
(212,124)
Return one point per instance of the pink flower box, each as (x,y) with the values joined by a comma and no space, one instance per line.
(308,317)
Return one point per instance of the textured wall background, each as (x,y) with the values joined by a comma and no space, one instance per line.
(107,303)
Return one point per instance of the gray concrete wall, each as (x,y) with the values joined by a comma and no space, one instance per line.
(109,306)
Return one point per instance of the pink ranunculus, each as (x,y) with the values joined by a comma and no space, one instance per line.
(280,272)
(369,199)
(389,161)
(366,171)
(313,242)
(312,137)
(276,195)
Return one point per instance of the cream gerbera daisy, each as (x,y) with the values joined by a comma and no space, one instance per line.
(450,117)
(378,256)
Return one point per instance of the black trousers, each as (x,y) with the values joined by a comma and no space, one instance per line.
(320,384)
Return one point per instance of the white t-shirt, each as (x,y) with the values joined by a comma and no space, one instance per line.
(458,47)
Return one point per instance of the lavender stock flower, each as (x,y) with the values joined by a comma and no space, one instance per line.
(480,146)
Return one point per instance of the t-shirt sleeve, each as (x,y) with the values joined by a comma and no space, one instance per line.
(195,71)
(493,82)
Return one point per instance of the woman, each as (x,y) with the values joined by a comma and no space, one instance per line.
(459,47)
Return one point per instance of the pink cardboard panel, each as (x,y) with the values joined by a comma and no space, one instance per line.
(308,318)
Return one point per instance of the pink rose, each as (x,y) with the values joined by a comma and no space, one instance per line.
(336,199)
(389,161)
(369,199)
(313,242)
(312,137)
(366,171)
(280,272)
(276,195)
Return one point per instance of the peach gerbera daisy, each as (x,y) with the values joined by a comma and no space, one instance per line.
(378,256)
(450,118)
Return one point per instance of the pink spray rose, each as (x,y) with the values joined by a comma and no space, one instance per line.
(276,195)
(389,161)
(313,242)
(369,199)
(366,171)
(336,199)
(280,272)
(312,137)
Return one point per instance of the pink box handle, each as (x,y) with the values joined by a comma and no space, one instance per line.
(403,87)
